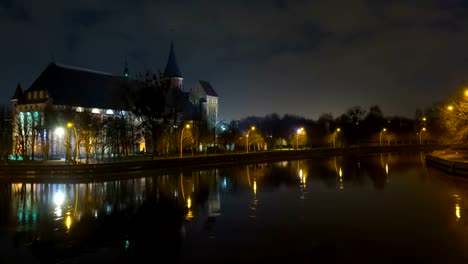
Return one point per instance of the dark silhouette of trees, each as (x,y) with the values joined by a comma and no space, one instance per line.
(156,105)
(5,132)
(357,127)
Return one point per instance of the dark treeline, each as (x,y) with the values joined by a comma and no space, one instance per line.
(357,126)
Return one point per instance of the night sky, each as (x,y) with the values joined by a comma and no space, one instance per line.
(298,57)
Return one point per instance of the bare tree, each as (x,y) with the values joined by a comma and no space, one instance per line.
(454,113)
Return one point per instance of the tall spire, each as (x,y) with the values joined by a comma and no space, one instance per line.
(126,73)
(172,68)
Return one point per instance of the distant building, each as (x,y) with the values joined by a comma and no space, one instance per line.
(67,89)
(203,94)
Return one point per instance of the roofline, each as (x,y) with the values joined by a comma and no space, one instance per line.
(82,69)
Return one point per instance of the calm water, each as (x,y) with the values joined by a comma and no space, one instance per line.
(373,209)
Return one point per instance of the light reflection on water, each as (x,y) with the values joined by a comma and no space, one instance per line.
(331,207)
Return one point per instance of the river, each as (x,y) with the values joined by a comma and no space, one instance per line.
(378,208)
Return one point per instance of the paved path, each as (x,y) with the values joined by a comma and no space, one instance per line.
(451,154)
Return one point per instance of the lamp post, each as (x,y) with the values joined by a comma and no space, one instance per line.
(70,125)
(383,130)
(182,137)
(334,136)
(420,134)
(298,132)
(247,138)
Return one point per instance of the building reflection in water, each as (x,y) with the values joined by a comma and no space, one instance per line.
(168,203)
(69,203)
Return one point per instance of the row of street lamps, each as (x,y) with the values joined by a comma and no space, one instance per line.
(300,131)
(60,132)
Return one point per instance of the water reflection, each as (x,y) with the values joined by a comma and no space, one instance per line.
(155,214)
(457,206)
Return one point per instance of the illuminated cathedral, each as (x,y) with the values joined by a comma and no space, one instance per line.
(67,89)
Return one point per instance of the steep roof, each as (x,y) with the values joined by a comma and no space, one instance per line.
(73,86)
(208,88)
(172,68)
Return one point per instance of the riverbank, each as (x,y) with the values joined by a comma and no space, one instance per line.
(453,160)
(59,172)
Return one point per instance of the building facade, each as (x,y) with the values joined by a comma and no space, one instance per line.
(42,113)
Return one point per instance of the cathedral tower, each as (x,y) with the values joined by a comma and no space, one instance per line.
(172,70)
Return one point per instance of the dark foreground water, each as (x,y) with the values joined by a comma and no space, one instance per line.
(374,209)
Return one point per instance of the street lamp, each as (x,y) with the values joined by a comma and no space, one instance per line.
(247,138)
(383,130)
(70,125)
(59,131)
(420,134)
(182,137)
(334,136)
(298,132)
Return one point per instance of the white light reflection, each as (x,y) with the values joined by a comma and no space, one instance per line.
(58,211)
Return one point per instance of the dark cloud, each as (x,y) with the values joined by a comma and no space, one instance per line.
(87,17)
(300,57)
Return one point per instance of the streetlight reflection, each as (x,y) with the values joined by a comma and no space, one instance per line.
(457,206)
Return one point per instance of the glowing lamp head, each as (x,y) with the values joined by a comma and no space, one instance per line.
(252,128)
(69,125)
(450,108)
(59,131)
(384,129)
(338,130)
(187,126)
(423,129)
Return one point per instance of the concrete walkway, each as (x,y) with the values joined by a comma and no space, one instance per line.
(453,160)
(451,154)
